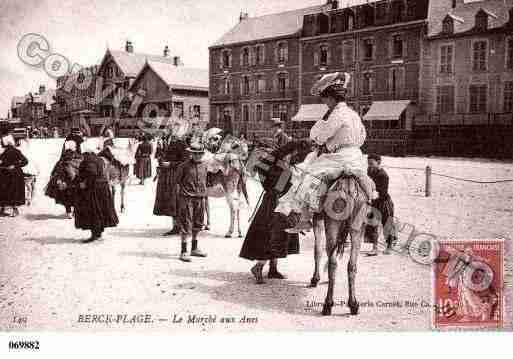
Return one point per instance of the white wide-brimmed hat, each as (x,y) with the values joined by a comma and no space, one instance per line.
(337,80)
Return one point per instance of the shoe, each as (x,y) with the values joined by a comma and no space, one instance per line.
(172,232)
(184,257)
(274,274)
(90,240)
(198,253)
(257,273)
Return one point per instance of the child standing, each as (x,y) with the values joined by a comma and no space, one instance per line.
(191,179)
(383,204)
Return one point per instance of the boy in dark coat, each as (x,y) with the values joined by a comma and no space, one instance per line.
(12,180)
(94,208)
(191,179)
(383,204)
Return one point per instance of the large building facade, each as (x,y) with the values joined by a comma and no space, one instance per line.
(413,63)
(467,76)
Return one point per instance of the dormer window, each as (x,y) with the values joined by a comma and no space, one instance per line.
(448,25)
(481,20)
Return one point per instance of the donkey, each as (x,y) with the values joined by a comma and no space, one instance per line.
(344,213)
(226,177)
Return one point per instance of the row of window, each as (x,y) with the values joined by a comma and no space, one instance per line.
(252,56)
(479,56)
(478,98)
(255,112)
(255,84)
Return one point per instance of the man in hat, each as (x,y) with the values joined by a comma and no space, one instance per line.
(191,179)
(336,138)
(279,136)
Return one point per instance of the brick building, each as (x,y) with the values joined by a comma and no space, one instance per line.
(467,76)
(265,66)
(254,72)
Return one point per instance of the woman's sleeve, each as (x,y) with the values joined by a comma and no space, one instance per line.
(323,130)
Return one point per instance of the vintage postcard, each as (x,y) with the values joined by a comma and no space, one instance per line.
(238,166)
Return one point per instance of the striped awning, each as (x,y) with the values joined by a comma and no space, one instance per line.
(310,113)
(386,110)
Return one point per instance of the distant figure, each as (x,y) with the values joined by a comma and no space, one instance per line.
(279,136)
(12,180)
(76,136)
(142,167)
(94,209)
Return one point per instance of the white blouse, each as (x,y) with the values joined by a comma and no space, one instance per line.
(343,128)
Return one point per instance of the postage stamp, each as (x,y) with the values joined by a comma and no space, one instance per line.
(468,284)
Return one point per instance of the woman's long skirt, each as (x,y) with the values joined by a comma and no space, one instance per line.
(266,238)
(166,197)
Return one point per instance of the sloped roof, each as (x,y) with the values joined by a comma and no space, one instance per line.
(179,77)
(498,10)
(131,63)
(267,26)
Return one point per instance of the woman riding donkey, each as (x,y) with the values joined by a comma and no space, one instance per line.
(337,139)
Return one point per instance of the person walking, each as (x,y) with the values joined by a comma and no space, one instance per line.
(143,153)
(12,180)
(94,208)
(191,179)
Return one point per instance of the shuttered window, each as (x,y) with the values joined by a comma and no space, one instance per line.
(478,98)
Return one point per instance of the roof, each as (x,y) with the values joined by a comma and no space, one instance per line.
(131,63)
(386,110)
(312,112)
(179,77)
(267,26)
(466,12)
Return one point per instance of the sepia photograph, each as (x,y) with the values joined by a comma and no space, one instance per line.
(227,167)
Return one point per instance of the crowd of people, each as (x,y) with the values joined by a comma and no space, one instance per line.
(79,181)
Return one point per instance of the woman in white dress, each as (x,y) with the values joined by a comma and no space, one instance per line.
(337,139)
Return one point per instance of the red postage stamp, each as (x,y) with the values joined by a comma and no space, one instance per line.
(468,284)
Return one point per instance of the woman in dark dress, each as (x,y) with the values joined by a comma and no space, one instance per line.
(12,180)
(60,187)
(171,153)
(142,167)
(266,239)
(94,208)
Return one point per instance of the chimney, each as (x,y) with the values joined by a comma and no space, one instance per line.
(129,47)
(243,16)
(457,3)
(42,89)
(177,61)
(333,3)
(166,51)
